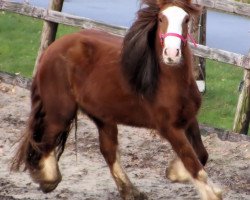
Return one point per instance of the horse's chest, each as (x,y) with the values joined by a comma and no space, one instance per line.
(177,108)
(185,112)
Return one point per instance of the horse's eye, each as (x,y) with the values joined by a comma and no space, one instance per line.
(187,19)
(160,19)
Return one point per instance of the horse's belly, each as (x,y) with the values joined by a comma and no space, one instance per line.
(114,109)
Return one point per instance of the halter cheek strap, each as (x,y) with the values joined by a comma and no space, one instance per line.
(163,36)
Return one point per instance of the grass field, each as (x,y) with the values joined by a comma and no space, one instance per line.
(19,43)
(244,1)
(220,99)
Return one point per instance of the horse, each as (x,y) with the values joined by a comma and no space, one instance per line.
(144,80)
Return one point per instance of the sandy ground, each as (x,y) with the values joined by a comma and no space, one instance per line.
(144,155)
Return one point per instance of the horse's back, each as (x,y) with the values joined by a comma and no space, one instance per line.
(86,66)
(85,43)
(77,55)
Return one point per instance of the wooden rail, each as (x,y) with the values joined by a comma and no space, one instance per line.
(221,56)
(14,79)
(226,6)
(58,17)
(239,60)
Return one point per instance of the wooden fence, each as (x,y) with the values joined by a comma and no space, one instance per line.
(238,60)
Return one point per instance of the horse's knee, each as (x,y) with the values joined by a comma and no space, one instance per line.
(48,175)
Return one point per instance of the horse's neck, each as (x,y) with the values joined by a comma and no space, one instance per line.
(175,75)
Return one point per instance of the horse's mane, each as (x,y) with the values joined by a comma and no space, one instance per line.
(139,60)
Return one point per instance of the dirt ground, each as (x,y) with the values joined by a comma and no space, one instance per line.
(144,156)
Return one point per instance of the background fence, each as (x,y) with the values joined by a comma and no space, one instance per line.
(52,16)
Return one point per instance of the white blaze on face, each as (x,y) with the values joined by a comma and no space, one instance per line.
(171,53)
(175,17)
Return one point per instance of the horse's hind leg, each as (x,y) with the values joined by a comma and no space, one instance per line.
(193,166)
(49,124)
(46,173)
(176,170)
(109,149)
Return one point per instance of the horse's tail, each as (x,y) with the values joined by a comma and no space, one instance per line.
(31,147)
(34,128)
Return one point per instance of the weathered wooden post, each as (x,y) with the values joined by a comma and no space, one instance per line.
(49,31)
(242,115)
(202,61)
(198,30)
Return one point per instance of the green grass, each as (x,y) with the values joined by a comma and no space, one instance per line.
(244,1)
(220,99)
(19,43)
(20,40)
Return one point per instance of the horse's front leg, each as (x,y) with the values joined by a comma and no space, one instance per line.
(192,165)
(194,137)
(176,171)
(109,149)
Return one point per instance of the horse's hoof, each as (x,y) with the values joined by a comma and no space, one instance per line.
(218,193)
(216,190)
(212,194)
(140,196)
(177,172)
(47,187)
(135,194)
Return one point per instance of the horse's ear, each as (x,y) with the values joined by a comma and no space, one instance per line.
(188,1)
(196,9)
(160,3)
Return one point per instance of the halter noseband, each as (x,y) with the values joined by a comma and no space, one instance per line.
(163,36)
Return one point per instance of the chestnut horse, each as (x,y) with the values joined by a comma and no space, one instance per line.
(144,80)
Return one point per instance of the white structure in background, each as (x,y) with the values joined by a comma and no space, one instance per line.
(201,85)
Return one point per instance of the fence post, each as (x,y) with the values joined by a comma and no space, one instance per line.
(242,115)
(49,31)
(202,40)
(198,30)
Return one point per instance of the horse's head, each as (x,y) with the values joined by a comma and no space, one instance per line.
(172,31)
(159,33)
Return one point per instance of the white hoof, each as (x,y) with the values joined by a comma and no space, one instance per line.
(206,188)
(177,172)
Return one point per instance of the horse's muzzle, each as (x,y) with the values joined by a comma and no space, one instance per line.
(171,56)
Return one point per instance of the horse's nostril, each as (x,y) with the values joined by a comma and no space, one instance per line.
(170,60)
(178,52)
(172,52)
(166,52)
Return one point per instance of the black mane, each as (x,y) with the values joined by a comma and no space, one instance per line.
(139,61)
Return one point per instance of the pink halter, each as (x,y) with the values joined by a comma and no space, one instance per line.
(163,36)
